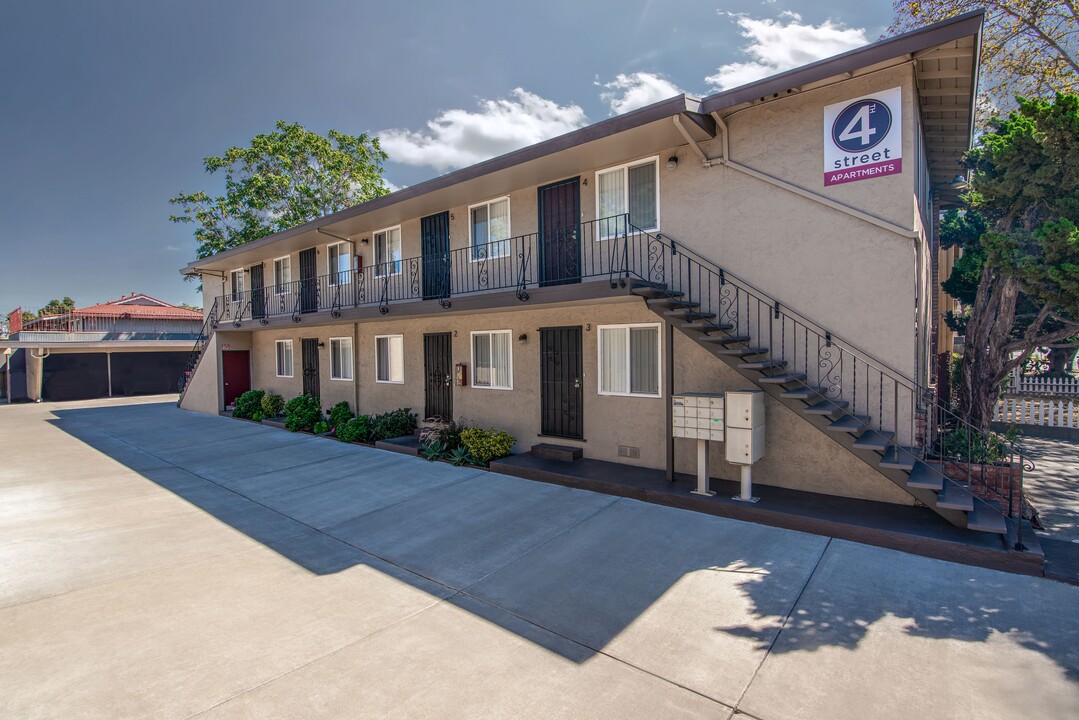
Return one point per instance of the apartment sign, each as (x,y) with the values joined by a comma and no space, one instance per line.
(863,138)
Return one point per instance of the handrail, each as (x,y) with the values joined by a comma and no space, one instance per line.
(209,325)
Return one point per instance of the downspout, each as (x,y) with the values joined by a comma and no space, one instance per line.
(725,161)
(668,363)
(356,366)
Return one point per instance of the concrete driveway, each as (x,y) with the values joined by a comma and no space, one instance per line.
(159,563)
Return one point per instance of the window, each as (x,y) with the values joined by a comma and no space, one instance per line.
(388,252)
(629,360)
(492,360)
(633,189)
(338,260)
(389,359)
(282,274)
(237,280)
(341,358)
(490,228)
(284,358)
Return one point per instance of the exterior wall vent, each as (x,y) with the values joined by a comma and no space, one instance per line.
(628,451)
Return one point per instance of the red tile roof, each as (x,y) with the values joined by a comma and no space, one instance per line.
(126,307)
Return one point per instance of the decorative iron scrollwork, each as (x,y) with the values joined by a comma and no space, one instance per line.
(830,359)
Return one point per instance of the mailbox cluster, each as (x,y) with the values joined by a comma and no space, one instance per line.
(698,416)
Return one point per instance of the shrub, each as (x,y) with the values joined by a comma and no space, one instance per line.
(434,450)
(976,448)
(272,405)
(461,456)
(487,445)
(340,414)
(258,416)
(393,424)
(358,429)
(444,431)
(248,404)
(321,427)
(302,412)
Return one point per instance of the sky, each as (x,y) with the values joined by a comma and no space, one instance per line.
(109,107)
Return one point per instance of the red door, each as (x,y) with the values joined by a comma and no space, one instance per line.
(236,368)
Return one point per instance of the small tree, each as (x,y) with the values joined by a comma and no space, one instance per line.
(1026,185)
(58,307)
(283,179)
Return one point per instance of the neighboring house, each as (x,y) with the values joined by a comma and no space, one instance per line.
(136,345)
(781,235)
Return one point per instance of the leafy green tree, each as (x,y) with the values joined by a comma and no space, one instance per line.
(283,179)
(1025,184)
(58,307)
(1029,47)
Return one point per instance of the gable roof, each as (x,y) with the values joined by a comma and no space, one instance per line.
(136,305)
(948,41)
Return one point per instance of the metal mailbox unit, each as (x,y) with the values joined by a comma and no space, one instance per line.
(735,417)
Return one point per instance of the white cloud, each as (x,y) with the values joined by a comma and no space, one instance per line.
(784,43)
(173,248)
(458,138)
(629,92)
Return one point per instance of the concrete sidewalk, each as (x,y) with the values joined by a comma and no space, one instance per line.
(159,563)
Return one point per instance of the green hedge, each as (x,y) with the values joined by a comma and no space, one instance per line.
(272,405)
(393,424)
(302,412)
(339,415)
(487,445)
(358,429)
(248,404)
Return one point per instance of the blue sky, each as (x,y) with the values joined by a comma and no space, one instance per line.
(109,107)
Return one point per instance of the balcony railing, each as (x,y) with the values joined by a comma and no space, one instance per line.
(593,250)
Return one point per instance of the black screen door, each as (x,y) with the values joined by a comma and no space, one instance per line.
(561,382)
(439,378)
(435,233)
(308,281)
(258,294)
(559,231)
(309,353)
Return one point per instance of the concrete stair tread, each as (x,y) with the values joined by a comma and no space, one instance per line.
(925,477)
(671,303)
(803,393)
(874,440)
(986,518)
(741,351)
(954,496)
(826,407)
(725,339)
(849,424)
(647,289)
(782,378)
(763,365)
(898,459)
(551,451)
(689,315)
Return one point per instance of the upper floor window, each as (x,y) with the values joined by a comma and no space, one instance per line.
(236,285)
(388,251)
(489,225)
(492,360)
(629,360)
(339,262)
(632,188)
(282,274)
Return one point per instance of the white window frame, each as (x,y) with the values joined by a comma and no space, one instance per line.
(472,352)
(277,358)
(351,359)
(380,268)
(237,286)
(624,168)
(659,358)
(391,381)
(509,225)
(283,287)
(335,275)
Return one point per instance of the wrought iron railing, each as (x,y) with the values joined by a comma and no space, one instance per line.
(207,331)
(890,402)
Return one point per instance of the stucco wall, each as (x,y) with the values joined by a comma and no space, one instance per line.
(264,363)
(203,394)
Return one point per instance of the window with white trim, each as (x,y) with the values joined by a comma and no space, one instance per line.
(492,360)
(339,262)
(629,358)
(284,358)
(632,188)
(389,359)
(341,358)
(489,227)
(237,285)
(388,251)
(282,274)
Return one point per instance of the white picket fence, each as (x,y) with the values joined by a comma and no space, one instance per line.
(1038,411)
(1024,385)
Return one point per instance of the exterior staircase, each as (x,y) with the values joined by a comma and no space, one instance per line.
(205,335)
(873,411)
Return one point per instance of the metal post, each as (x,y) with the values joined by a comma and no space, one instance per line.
(702,469)
(668,363)
(108,367)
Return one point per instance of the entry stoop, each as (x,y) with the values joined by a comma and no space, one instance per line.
(548,451)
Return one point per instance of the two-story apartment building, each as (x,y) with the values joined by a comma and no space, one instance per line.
(779,235)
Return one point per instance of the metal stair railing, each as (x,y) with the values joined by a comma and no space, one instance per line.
(890,401)
(209,325)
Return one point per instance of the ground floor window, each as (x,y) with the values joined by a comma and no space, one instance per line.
(492,360)
(341,358)
(629,360)
(389,359)
(284,358)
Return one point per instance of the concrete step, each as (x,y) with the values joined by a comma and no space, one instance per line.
(874,440)
(782,378)
(741,351)
(725,339)
(689,316)
(652,290)
(954,496)
(802,393)
(849,424)
(898,458)
(763,365)
(986,518)
(925,477)
(669,303)
(826,407)
(550,451)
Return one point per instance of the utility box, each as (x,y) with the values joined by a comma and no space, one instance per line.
(745,426)
(698,416)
